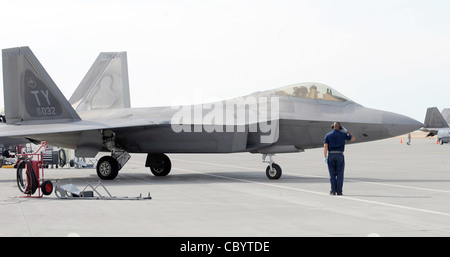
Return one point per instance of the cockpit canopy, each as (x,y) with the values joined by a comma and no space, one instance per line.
(312,91)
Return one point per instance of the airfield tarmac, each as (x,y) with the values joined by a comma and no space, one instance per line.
(390,189)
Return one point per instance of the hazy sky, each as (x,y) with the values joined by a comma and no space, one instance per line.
(390,55)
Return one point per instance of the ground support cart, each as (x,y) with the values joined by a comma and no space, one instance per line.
(30,174)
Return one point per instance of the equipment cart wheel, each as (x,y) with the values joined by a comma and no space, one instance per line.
(275,172)
(107,168)
(47,187)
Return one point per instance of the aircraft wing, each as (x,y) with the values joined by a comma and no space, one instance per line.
(42,129)
(84,136)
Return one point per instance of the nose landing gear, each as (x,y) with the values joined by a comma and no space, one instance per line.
(273,170)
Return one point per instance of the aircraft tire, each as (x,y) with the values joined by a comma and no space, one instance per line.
(107,168)
(163,169)
(275,173)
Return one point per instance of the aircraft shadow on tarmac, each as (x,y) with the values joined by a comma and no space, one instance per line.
(138,178)
(200,178)
(238,177)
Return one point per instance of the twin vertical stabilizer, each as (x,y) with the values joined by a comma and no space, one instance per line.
(105,86)
(31,96)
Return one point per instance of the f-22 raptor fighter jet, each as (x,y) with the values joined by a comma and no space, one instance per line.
(283,120)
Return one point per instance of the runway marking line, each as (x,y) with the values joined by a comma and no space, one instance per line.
(309,191)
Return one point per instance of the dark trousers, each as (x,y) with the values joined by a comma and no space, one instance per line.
(336,165)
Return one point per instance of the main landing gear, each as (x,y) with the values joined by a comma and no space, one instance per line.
(159,164)
(108,167)
(273,171)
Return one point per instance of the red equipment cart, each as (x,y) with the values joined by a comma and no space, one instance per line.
(30,174)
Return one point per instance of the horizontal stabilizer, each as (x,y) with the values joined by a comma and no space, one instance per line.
(31,96)
(434,119)
(105,85)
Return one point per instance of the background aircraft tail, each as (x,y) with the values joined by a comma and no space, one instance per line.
(434,119)
(31,96)
(105,85)
(446,114)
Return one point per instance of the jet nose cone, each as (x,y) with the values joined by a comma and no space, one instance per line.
(398,124)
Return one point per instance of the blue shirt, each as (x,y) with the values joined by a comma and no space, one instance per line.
(336,140)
